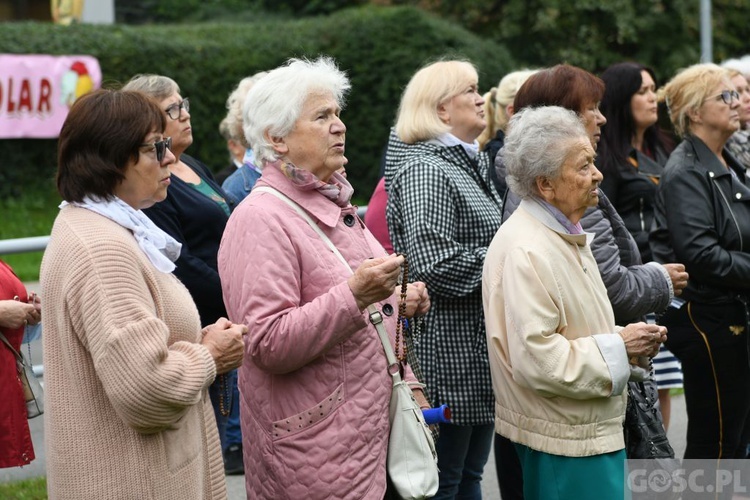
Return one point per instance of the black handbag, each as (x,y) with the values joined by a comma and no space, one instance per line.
(645,436)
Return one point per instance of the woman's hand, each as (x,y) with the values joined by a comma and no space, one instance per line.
(375,279)
(417,299)
(225,343)
(419,396)
(15,314)
(678,276)
(643,339)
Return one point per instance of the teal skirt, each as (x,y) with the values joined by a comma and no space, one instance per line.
(554,477)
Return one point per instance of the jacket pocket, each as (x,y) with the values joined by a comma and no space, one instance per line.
(183,442)
(295,424)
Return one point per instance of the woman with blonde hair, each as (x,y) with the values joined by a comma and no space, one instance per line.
(442,214)
(702,218)
(241,181)
(498,108)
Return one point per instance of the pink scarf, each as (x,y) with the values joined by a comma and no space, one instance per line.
(337,189)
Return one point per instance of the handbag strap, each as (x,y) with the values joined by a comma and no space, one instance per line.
(375,317)
(18,356)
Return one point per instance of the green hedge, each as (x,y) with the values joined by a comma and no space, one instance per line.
(379,47)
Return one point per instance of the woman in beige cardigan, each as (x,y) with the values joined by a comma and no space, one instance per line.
(127,364)
(559,370)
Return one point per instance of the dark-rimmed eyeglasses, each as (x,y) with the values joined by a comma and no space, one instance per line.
(160,147)
(727,96)
(175,110)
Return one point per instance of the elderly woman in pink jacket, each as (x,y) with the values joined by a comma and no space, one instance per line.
(314,387)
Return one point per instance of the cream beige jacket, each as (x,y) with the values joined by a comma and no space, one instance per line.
(558,369)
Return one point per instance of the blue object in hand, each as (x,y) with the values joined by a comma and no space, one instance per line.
(438,415)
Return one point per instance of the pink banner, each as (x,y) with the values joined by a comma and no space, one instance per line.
(36,92)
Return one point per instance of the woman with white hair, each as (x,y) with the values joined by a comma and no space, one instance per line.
(559,365)
(442,213)
(315,388)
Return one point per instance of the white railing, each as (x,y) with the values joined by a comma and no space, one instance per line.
(39,244)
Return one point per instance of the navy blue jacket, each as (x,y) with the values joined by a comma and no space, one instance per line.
(198,223)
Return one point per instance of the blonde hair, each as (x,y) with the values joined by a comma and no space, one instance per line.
(431,86)
(688,90)
(496,103)
(235,101)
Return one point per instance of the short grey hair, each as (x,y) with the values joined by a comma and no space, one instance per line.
(275,102)
(537,145)
(157,87)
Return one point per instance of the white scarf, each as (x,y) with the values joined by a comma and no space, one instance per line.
(160,248)
(450,140)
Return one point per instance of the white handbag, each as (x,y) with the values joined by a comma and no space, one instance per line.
(412,459)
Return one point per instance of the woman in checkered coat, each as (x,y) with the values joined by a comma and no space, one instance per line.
(442,214)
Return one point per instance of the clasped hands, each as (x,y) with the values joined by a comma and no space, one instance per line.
(643,339)
(377,279)
(224,341)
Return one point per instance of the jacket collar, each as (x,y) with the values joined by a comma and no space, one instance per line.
(708,159)
(314,203)
(536,210)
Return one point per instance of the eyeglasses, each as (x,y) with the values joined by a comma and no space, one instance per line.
(727,96)
(160,147)
(175,110)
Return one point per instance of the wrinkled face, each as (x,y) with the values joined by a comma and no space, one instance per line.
(178,129)
(593,120)
(317,141)
(146,180)
(643,103)
(576,188)
(715,115)
(464,113)
(743,89)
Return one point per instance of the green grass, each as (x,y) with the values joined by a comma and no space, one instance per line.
(29,489)
(30,215)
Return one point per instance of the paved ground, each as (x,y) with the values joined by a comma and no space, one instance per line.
(236,484)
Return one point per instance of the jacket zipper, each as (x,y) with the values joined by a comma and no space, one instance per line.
(643,222)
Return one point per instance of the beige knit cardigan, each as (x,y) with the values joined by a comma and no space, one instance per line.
(128,414)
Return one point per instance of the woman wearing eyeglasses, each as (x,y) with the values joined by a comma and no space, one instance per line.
(194,213)
(127,363)
(702,219)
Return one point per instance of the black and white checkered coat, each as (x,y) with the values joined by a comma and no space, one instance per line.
(443,212)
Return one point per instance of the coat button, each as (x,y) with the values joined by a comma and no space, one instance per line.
(738,195)
(349,220)
(388,310)
(711,175)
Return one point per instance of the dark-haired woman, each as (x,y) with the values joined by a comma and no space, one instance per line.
(195,214)
(127,364)
(632,155)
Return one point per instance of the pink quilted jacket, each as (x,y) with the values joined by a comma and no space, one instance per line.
(314,386)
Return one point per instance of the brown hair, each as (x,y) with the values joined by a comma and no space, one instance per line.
(102,134)
(562,85)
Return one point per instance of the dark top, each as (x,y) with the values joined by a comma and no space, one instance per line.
(702,219)
(631,187)
(198,223)
(493,148)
